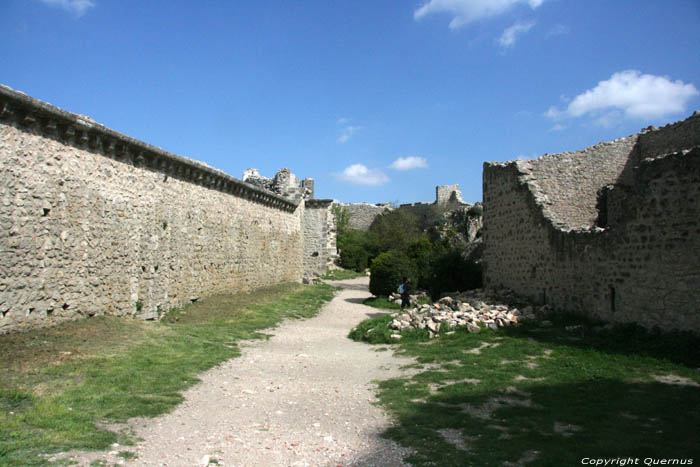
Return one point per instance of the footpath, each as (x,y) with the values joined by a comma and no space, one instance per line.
(305,397)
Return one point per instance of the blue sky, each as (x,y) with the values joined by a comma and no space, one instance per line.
(378,100)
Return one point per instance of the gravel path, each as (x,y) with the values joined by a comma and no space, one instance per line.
(302,398)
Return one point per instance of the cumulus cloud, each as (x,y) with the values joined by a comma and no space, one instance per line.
(629,94)
(467,11)
(77,7)
(408,163)
(511,34)
(348,133)
(359,174)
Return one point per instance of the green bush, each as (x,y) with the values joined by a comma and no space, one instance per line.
(356,249)
(395,230)
(451,272)
(388,270)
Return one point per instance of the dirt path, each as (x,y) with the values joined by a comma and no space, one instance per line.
(302,398)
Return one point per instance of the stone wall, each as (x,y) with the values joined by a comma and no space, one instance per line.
(447,197)
(94,222)
(445,194)
(362,214)
(643,266)
(320,250)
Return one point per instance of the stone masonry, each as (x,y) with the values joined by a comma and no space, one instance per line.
(612,231)
(93,222)
(362,214)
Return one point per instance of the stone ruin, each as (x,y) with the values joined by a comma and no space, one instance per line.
(284,184)
(473,310)
(612,231)
(448,197)
(97,223)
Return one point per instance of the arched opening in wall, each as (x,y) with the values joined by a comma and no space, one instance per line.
(612,299)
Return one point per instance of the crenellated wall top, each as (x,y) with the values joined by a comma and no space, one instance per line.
(84,133)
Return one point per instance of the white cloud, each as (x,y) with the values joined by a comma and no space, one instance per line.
(511,34)
(466,11)
(77,7)
(408,163)
(629,94)
(348,133)
(360,175)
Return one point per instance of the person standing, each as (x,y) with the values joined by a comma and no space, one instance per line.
(403,290)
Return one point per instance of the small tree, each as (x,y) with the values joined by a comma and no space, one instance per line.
(388,270)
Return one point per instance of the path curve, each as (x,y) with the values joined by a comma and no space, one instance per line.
(305,397)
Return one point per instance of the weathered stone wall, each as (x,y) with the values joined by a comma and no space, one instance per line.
(567,184)
(362,214)
(320,230)
(643,267)
(445,194)
(447,197)
(93,222)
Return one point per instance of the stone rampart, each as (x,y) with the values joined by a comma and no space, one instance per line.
(643,266)
(95,222)
(320,251)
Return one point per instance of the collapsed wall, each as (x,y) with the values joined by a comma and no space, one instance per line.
(612,231)
(94,222)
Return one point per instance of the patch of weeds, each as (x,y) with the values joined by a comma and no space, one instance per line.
(59,386)
(127,455)
(342,274)
(531,394)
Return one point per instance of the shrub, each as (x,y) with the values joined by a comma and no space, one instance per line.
(395,230)
(452,272)
(388,270)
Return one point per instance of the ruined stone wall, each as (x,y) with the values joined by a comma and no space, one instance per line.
(643,267)
(93,222)
(567,183)
(362,214)
(445,194)
(320,251)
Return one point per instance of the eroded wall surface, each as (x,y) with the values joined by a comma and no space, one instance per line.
(642,265)
(94,222)
(320,251)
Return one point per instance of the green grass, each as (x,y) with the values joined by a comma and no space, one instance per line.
(543,393)
(382,303)
(58,385)
(342,274)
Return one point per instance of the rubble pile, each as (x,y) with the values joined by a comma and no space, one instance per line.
(472,309)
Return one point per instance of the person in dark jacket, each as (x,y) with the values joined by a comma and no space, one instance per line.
(405,298)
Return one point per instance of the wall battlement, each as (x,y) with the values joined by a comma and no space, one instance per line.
(94,222)
(623,248)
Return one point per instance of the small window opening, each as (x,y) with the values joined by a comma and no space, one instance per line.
(46,212)
(65,306)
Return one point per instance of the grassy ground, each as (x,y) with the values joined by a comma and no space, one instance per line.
(59,385)
(342,274)
(543,396)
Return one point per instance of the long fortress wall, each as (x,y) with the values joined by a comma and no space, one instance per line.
(94,222)
(612,231)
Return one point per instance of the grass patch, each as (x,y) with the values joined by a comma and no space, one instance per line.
(382,303)
(58,385)
(342,274)
(543,396)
